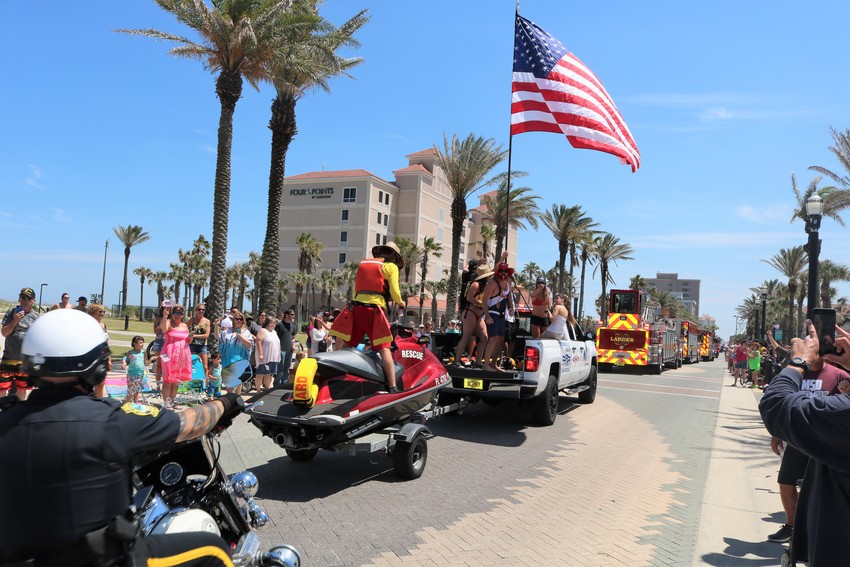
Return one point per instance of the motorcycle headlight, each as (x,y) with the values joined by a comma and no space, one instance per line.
(244,484)
(281,556)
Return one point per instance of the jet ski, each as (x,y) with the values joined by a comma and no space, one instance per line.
(340,396)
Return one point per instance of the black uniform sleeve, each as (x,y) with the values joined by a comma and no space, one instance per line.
(819,426)
(139,428)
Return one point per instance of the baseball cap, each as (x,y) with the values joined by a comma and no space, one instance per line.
(82,298)
(28,293)
(226,323)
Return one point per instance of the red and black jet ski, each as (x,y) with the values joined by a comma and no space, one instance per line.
(340,396)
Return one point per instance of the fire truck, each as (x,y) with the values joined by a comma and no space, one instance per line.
(707,348)
(636,336)
(691,342)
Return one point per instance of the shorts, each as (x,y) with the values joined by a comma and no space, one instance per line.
(539,321)
(742,364)
(156,345)
(793,467)
(231,375)
(12,373)
(198,349)
(267,368)
(357,320)
(497,327)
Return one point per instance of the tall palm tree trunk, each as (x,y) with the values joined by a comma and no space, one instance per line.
(142,300)
(581,290)
(124,284)
(282,125)
(458,217)
(228,87)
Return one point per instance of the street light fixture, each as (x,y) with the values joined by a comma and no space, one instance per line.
(763,291)
(574,293)
(39,296)
(814,212)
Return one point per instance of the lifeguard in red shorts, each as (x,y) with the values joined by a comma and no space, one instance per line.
(376,278)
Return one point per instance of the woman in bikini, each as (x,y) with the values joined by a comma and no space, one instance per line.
(473,317)
(560,316)
(541,303)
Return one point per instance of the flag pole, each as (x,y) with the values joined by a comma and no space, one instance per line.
(510,148)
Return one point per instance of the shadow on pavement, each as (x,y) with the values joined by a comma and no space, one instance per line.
(740,552)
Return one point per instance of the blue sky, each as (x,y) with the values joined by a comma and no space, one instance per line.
(725,100)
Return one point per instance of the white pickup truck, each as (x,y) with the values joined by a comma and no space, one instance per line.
(543,368)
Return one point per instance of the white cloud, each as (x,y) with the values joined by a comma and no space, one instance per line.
(713,240)
(36,174)
(60,215)
(765,215)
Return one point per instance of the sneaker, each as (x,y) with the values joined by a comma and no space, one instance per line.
(392,390)
(783,535)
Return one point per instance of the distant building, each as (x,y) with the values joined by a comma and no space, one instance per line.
(706,321)
(686,290)
(350,211)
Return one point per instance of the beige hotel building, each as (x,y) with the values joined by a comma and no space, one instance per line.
(350,211)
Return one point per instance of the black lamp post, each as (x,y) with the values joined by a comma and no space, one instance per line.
(763,291)
(814,212)
(736,324)
(756,325)
(574,291)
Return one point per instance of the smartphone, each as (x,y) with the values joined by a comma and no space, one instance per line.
(19,308)
(824,323)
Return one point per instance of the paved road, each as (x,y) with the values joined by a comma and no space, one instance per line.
(619,482)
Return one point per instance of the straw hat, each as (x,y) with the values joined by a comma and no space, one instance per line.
(482,272)
(389,247)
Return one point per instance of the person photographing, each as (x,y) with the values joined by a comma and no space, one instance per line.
(375,282)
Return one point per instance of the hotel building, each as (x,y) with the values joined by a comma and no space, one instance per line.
(350,211)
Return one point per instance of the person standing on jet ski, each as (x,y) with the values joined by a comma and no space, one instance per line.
(375,281)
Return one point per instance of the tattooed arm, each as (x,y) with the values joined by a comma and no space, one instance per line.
(198,420)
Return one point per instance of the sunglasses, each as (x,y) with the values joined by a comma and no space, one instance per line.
(101,312)
(200,309)
(177,312)
(238,318)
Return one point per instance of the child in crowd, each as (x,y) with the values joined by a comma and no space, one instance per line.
(136,363)
(213,383)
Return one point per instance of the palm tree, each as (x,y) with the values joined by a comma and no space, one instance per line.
(254,268)
(488,235)
(178,275)
(300,280)
(834,201)
(521,205)
(465,164)
(346,279)
(430,247)
(531,271)
(790,262)
(841,150)
(607,249)
(637,282)
(305,59)
(129,236)
(160,277)
(435,288)
(829,272)
(238,38)
(567,224)
(144,274)
(231,282)
(410,254)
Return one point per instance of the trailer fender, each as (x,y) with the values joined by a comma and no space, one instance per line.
(409,431)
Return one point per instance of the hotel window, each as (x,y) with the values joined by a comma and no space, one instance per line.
(380,196)
(343,238)
(341,258)
(349,194)
(386,219)
(385,239)
(344,219)
(442,215)
(387,199)
(377,240)
(440,234)
(379,218)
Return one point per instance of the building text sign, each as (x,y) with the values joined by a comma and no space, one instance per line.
(313,193)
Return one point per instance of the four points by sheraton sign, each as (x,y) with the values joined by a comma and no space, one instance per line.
(313,193)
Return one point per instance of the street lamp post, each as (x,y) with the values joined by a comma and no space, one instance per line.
(763,311)
(736,324)
(814,212)
(103,280)
(39,296)
(574,291)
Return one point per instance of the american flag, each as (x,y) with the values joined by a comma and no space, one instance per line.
(555,92)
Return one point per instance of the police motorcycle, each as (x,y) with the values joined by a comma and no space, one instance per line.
(186,489)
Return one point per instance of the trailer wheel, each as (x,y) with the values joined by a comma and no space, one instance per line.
(589,395)
(409,458)
(546,404)
(302,455)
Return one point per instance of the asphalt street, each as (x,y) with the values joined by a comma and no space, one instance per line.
(622,481)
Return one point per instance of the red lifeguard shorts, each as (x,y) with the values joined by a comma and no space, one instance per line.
(359,319)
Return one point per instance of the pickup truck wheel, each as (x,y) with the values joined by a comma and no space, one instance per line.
(588,396)
(302,455)
(546,404)
(409,459)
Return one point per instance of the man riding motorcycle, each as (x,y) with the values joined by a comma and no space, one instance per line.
(66,458)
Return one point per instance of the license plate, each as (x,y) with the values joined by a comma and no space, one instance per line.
(473,384)
(620,362)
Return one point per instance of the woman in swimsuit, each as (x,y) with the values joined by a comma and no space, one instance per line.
(472,317)
(560,316)
(540,305)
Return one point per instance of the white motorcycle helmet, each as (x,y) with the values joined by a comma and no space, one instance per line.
(66,342)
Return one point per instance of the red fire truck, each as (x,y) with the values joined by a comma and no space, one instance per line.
(637,336)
